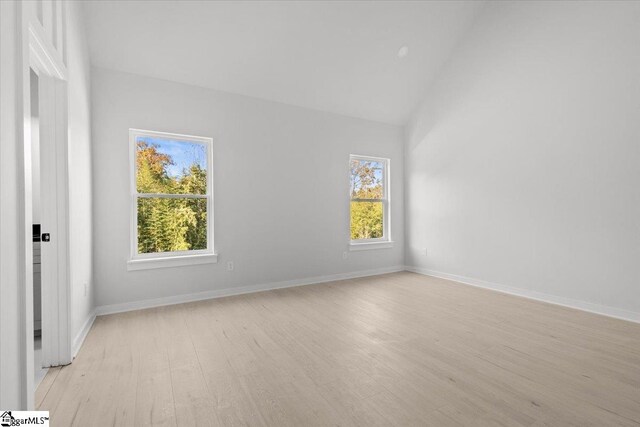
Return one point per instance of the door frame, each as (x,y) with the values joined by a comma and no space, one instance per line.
(56,343)
(37,52)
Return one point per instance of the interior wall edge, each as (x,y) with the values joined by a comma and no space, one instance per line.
(521,165)
(227,292)
(603,310)
(82,333)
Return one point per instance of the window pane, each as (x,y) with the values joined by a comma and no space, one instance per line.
(168,166)
(167,225)
(367,178)
(366,220)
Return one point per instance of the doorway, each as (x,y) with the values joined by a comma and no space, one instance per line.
(39,371)
(46,213)
(33,43)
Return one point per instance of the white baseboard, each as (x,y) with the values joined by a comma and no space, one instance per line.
(604,310)
(79,339)
(218,293)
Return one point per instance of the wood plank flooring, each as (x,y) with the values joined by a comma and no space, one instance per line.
(396,349)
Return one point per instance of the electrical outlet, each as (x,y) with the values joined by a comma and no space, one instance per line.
(230,265)
(345,255)
(426,252)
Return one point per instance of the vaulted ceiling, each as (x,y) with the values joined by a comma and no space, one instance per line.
(340,57)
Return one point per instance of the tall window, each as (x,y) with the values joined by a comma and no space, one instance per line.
(171,198)
(369,199)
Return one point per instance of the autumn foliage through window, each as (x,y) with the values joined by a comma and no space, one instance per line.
(368,198)
(171,195)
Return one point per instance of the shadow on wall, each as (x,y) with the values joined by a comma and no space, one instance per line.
(521,165)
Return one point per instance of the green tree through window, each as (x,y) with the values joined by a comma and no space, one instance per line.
(171,186)
(367,198)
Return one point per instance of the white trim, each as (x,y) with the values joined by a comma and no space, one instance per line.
(171,261)
(603,310)
(386,198)
(368,246)
(40,52)
(180,136)
(218,293)
(139,261)
(82,334)
(366,158)
(173,254)
(22,47)
(171,196)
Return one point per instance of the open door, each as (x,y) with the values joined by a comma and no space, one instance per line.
(56,343)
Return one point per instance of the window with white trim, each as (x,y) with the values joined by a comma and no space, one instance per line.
(171,199)
(369,210)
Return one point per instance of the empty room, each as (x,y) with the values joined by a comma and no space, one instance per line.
(319,213)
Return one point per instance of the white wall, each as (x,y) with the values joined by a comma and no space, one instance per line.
(16,321)
(281,186)
(80,196)
(12,392)
(523,164)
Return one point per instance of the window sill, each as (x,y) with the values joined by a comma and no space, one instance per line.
(370,246)
(172,261)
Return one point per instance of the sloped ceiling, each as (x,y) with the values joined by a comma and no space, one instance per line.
(340,57)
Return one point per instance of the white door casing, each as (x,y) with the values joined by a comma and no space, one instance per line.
(32,41)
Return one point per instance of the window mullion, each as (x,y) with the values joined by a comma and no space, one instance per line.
(199,240)
(171,196)
(368,220)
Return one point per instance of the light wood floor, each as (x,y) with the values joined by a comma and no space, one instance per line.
(397,349)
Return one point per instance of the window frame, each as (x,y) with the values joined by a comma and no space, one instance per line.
(138,261)
(378,242)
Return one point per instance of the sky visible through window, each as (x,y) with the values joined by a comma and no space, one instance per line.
(367,193)
(167,166)
(183,153)
(374,173)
